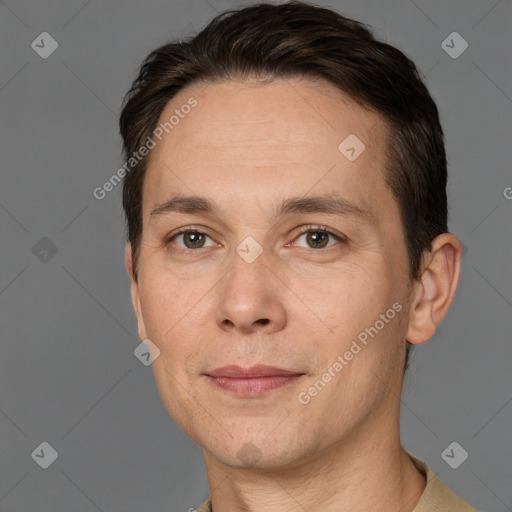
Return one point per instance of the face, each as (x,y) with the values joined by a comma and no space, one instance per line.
(293,258)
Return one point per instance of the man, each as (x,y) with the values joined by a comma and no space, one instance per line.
(285,196)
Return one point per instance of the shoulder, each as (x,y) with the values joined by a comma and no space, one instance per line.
(206,506)
(437,497)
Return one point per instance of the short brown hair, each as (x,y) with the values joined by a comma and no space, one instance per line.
(298,39)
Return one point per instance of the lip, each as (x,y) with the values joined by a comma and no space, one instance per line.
(254,381)
(234,371)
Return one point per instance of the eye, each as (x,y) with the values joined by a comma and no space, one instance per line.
(318,237)
(190,239)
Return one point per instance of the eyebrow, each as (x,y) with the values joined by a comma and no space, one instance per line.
(330,204)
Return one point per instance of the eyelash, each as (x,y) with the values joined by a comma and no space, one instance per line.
(320,229)
(306,229)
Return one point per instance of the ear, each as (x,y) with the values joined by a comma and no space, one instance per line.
(134,290)
(434,292)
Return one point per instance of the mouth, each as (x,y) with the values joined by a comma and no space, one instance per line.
(254,381)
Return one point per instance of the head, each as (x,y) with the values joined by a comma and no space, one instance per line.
(274,119)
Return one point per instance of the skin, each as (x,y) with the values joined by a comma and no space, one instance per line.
(248,146)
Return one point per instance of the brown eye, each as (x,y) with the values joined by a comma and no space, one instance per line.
(190,240)
(193,240)
(319,238)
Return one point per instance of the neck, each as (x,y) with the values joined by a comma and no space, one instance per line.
(367,470)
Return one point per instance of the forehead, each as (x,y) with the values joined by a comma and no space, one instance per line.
(246,138)
(314,112)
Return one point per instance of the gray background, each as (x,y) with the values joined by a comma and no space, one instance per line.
(68,375)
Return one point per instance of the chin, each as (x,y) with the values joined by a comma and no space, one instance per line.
(255,452)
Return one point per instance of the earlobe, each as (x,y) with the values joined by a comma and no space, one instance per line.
(135,292)
(434,292)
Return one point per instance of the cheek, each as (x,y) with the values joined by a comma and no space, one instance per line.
(178,317)
(345,300)
(349,304)
(164,304)
(155,297)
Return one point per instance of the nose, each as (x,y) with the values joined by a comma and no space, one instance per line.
(251,299)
